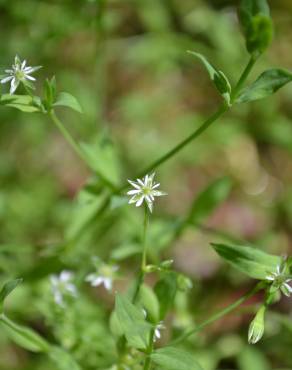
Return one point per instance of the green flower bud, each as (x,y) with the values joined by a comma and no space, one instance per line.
(257,326)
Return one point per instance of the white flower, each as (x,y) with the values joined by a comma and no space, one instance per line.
(280,280)
(158,328)
(144,190)
(19,72)
(104,275)
(62,285)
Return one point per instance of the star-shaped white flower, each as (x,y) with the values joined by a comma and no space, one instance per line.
(104,275)
(280,280)
(145,190)
(63,285)
(18,73)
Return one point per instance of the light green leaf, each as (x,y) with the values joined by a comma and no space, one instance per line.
(63,359)
(65,99)
(149,301)
(250,358)
(165,290)
(7,289)
(267,84)
(25,103)
(171,358)
(209,199)
(218,77)
(23,336)
(132,322)
(254,16)
(250,261)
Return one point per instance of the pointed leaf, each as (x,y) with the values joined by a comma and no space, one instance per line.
(267,84)
(65,99)
(7,289)
(170,358)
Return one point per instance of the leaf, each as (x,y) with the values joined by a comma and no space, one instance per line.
(102,158)
(25,103)
(23,336)
(7,289)
(132,322)
(63,359)
(254,16)
(267,84)
(218,77)
(250,261)
(209,199)
(50,92)
(171,358)
(250,358)
(165,290)
(149,301)
(65,99)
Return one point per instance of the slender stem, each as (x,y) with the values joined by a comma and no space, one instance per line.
(243,78)
(141,275)
(147,362)
(219,314)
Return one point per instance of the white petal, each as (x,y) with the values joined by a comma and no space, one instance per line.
(150,206)
(23,64)
(133,192)
(66,276)
(107,282)
(155,186)
(28,77)
(140,201)
(14,85)
(158,193)
(134,184)
(6,79)
(141,182)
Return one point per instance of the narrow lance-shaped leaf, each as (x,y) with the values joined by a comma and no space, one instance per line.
(218,77)
(267,84)
(251,261)
(7,289)
(170,358)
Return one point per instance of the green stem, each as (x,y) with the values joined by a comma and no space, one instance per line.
(218,314)
(243,78)
(141,276)
(147,362)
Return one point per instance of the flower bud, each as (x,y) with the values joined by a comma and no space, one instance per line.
(257,326)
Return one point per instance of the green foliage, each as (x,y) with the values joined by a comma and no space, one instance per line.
(257,25)
(65,99)
(7,289)
(267,84)
(251,261)
(171,358)
(24,103)
(165,290)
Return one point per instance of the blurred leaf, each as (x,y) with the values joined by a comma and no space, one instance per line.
(149,301)
(125,251)
(250,358)
(132,322)
(65,99)
(267,84)
(218,77)
(250,261)
(254,16)
(63,359)
(7,289)
(165,290)
(23,336)
(50,92)
(25,103)
(171,358)
(209,199)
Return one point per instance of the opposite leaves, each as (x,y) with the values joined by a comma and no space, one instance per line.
(267,84)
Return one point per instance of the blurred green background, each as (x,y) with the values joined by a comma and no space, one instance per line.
(126,62)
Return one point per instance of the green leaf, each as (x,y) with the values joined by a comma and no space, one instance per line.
(102,157)
(7,289)
(218,77)
(267,84)
(165,290)
(50,92)
(209,199)
(149,301)
(25,103)
(65,99)
(171,358)
(132,322)
(250,358)
(63,359)
(257,26)
(23,336)
(250,261)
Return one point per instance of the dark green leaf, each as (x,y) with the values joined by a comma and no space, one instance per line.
(65,99)
(250,261)
(209,199)
(267,84)
(132,322)
(218,77)
(165,290)
(171,358)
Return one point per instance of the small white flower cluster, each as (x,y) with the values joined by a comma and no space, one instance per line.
(19,73)
(104,275)
(145,190)
(280,280)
